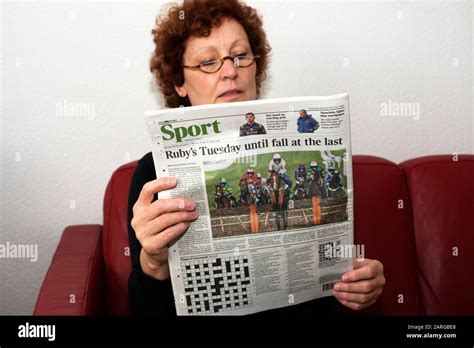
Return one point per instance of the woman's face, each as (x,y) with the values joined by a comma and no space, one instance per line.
(227,84)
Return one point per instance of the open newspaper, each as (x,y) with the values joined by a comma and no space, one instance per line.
(272,182)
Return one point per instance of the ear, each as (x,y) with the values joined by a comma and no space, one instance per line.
(181,91)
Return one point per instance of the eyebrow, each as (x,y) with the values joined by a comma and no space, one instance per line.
(214,47)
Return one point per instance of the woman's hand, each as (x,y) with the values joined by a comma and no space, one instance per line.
(159,224)
(360,287)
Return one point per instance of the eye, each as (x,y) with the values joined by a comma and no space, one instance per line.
(240,55)
(208,62)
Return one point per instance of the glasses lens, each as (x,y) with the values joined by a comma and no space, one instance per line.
(215,65)
(243,61)
(211,66)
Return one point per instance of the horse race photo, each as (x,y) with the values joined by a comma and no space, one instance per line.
(276,191)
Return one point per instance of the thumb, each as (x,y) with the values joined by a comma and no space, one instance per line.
(359,262)
(356,264)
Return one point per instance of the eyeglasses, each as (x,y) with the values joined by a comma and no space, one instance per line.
(213,66)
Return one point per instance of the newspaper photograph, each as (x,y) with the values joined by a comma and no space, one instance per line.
(272,183)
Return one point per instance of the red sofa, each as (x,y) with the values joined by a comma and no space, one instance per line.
(415,217)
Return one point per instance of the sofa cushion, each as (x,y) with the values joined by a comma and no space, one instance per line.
(74,282)
(382,223)
(442,197)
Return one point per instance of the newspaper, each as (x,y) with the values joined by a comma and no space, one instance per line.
(272,182)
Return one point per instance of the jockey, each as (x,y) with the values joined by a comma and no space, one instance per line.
(316,168)
(300,173)
(225,185)
(251,176)
(279,165)
(259,179)
(263,181)
(331,174)
(226,188)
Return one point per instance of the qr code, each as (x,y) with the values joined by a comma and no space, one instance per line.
(216,284)
(328,253)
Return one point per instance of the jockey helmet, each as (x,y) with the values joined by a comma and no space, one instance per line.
(276,157)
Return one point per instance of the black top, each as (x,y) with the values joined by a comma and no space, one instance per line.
(149,296)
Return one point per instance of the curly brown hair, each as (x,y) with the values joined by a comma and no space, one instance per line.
(197,18)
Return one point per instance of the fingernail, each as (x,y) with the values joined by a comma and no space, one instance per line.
(181,204)
(337,287)
(345,279)
(171,181)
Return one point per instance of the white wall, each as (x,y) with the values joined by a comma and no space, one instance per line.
(55,167)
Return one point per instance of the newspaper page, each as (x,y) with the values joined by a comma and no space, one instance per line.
(272,182)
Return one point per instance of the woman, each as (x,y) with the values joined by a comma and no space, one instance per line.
(208,52)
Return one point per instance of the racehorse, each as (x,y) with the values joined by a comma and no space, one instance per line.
(220,200)
(301,188)
(247,194)
(278,199)
(335,188)
(262,194)
(316,186)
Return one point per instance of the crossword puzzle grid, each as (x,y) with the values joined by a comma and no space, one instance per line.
(216,284)
(332,245)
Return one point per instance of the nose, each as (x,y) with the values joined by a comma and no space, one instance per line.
(229,70)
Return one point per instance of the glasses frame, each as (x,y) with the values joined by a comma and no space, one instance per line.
(222,60)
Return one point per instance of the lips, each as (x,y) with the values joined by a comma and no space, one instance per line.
(231,93)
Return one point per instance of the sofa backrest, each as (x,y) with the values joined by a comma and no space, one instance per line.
(442,197)
(382,223)
(115,241)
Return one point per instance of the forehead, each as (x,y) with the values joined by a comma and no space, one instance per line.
(222,38)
